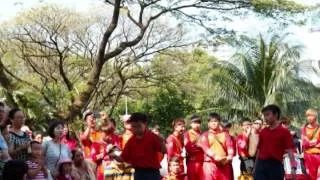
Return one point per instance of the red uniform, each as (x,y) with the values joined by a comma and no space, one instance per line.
(311,148)
(243,145)
(195,155)
(216,144)
(94,136)
(142,152)
(174,148)
(71,143)
(98,148)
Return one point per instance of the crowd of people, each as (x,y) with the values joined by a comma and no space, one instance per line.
(267,149)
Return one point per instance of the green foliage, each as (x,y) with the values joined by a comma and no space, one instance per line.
(260,74)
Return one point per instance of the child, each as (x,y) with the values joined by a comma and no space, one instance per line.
(36,168)
(64,169)
(174,169)
(117,170)
(175,143)
(15,170)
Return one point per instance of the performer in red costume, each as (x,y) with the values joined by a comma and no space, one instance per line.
(90,135)
(311,144)
(127,134)
(218,149)
(175,142)
(246,162)
(99,149)
(194,152)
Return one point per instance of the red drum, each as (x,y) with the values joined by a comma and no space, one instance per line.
(300,175)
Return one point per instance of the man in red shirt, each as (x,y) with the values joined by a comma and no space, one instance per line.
(246,162)
(194,152)
(311,144)
(142,149)
(217,146)
(274,142)
(175,142)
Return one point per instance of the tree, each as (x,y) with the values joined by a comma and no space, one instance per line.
(265,72)
(138,18)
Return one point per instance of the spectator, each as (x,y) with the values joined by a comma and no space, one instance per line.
(18,140)
(118,169)
(67,139)
(174,169)
(15,170)
(98,149)
(65,170)
(27,130)
(82,169)
(54,149)
(37,169)
(90,135)
(37,136)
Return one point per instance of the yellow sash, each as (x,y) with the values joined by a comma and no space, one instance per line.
(309,133)
(216,142)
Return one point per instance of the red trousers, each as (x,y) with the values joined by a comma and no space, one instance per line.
(194,170)
(312,163)
(211,171)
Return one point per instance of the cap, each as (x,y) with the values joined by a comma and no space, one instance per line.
(87,113)
(195,118)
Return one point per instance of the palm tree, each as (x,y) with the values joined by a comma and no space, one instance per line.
(262,73)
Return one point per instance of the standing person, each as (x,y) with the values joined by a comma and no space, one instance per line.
(3,115)
(311,144)
(103,116)
(156,131)
(82,169)
(274,142)
(127,134)
(18,140)
(246,161)
(254,137)
(175,142)
(218,148)
(67,139)
(90,135)
(142,148)
(194,152)
(54,150)
(99,149)
(36,167)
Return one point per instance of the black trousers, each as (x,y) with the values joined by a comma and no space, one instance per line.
(269,170)
(146,174)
